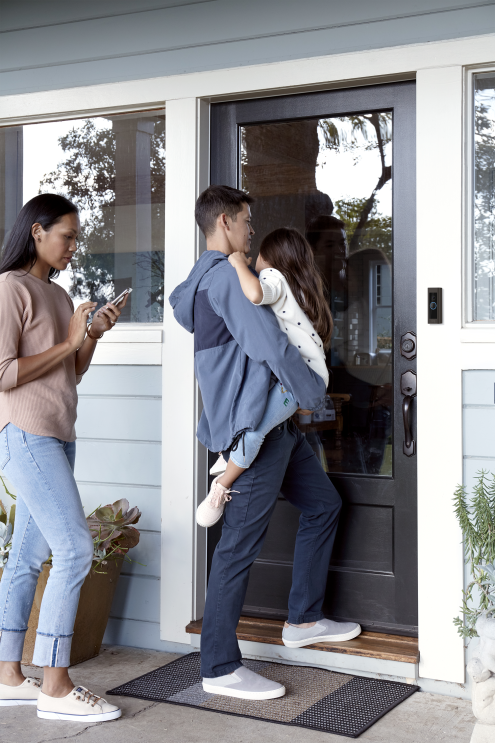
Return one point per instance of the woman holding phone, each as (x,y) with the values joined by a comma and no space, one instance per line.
(45,348)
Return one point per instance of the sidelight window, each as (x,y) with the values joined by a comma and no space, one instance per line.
(483,288)
(113,168)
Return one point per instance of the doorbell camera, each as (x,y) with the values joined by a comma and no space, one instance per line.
(434,306)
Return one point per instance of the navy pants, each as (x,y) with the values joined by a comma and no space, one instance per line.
(287,464)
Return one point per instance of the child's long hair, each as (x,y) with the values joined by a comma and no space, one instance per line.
(290,253)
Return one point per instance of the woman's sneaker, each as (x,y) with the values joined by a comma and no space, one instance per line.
(81,705)
(211,509)
(25,693)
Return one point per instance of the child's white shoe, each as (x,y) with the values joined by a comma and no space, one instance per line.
(211,509)
(219,467)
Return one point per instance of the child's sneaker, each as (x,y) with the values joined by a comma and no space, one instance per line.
(219,467)
(211,509)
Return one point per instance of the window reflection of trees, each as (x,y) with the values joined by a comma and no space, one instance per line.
(103,179)
(484,199)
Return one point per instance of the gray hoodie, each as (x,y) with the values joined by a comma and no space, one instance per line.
(237,346)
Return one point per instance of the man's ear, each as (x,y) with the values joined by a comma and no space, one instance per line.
(223,220)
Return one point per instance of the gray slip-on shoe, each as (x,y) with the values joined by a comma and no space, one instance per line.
(244,684)
(323,631)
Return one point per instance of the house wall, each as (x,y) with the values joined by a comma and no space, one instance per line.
(56,44)
(119,456)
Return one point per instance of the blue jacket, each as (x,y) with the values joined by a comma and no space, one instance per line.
(237,346)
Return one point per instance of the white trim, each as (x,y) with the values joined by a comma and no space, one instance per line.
(337,70)
(179,459)
(439,400)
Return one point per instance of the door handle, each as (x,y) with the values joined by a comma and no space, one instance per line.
(408,389)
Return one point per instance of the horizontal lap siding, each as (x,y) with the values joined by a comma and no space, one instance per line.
(53,47)
(478,423)
(119,456)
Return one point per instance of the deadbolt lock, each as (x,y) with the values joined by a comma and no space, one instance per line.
(408,345)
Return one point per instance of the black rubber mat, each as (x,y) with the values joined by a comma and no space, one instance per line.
(316,699)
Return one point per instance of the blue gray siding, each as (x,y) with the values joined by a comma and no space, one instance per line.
(478,423)
(119,456)
(56,44)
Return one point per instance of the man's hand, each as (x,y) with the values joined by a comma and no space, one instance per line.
(300,411)
(239,259)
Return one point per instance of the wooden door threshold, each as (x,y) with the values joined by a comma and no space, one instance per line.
(367,645)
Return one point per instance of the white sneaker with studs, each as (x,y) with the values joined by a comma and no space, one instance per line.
(81,705)
(25,693)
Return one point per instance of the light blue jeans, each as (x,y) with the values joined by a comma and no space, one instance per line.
(280,405)
(49,520)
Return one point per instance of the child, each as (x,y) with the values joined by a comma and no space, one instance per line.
(290,282)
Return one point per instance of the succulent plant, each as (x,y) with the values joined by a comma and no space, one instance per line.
(111,529)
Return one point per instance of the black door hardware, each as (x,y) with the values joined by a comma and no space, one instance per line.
(408,344)
(408,389)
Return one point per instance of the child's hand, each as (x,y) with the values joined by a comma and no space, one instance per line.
(239,259)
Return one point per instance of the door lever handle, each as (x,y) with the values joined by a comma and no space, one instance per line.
(408,389)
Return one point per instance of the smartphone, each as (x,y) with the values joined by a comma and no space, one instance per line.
(118,300)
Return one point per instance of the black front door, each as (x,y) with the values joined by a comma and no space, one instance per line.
(340,166)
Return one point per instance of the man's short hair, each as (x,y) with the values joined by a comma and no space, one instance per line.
(216,200)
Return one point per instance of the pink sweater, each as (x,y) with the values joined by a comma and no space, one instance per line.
(34,317)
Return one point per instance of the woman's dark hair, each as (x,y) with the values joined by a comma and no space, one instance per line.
(216,200)
(19,249)
(290,253)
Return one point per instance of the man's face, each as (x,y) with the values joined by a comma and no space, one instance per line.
(240,231)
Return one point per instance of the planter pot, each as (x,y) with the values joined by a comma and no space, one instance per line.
(481,668)
(95,602)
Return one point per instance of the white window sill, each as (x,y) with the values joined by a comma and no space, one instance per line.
(131,344)
(477,334)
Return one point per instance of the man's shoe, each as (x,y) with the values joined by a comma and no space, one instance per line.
(211,509)
(81,705)
(25,693)
(323,631)
(244,684)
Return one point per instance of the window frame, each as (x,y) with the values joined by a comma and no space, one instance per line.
(469,324)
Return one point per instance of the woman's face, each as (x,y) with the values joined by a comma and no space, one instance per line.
(56,246)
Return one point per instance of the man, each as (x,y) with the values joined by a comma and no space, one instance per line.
(240,352)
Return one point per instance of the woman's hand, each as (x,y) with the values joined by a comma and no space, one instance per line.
(106,318)
(78,325)
(239,259)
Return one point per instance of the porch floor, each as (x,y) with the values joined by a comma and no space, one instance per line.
(367,645)
(423,718)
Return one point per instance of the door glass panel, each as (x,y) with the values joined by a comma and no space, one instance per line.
(331,178)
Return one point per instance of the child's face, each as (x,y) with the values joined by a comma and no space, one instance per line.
(261,264)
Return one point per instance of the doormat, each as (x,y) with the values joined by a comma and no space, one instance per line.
(316,699)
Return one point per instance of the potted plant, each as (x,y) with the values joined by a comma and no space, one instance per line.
(113,533)
(477,521)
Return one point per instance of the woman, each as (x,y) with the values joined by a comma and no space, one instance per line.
(45,348)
